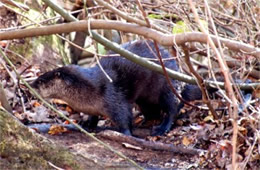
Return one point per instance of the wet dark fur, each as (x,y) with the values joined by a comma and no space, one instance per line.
(89,91)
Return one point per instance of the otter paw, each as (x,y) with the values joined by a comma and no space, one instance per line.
(158,131)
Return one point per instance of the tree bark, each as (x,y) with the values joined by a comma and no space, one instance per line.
(21,148)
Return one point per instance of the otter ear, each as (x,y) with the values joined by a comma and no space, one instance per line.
(68,81)
(63,76)
(40,82)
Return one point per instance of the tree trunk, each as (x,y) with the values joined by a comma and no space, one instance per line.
(21,148)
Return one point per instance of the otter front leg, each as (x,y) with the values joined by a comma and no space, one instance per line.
(169,104)
(90,123)
(150,111)
(120,112)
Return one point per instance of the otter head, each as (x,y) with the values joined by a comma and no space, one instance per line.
(54,83)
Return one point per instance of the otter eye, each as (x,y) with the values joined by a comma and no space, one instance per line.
(57,74)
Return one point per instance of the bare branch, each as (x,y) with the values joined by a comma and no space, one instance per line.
(161,38)
(127,17)
(205,96)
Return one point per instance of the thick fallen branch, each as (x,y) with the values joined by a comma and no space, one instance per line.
(163,39)
(118,137)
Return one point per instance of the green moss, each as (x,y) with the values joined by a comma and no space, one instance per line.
(2,146)
(24,149)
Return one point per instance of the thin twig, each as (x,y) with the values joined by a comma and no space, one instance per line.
(127,17)
(205,95)
(96,57)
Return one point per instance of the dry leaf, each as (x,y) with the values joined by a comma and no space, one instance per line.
(68,109)
(257,93)
(39,114)
(57,129)
(36,104)
(209,118)
(138,120)
(186,141)
(3,43)
(225,145)
(196,127)
(242,130)
(66,122)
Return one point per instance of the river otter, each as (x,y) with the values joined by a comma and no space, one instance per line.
(89,91)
